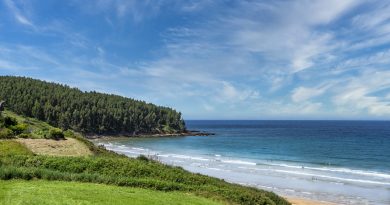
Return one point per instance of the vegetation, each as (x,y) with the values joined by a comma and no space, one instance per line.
(9,147)
(132,173)
(87,112)
(12,126)
(15,192)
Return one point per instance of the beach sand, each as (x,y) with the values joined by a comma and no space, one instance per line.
(302,201)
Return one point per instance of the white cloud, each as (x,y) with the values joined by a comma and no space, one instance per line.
(301,94)
(291,35)
(18,14)
(359,93)
(367,61)
(228,93)
(376,20)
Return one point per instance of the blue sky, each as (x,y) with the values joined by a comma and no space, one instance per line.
(210,59)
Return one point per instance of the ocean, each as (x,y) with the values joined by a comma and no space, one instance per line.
(346,162)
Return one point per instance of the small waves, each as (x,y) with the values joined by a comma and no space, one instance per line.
(238,162)
(333,169)
(217,162)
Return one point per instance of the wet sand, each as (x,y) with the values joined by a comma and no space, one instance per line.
(302,201)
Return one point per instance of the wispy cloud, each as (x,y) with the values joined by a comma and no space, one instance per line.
(18,14)
(359,93)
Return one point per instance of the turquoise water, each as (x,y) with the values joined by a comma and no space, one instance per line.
(340,161)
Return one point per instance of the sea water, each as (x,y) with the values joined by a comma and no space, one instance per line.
(346,162)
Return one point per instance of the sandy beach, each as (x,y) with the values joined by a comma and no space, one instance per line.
(302,201)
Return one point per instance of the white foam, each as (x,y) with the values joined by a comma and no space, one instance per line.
(140,149)
(335,178)
(212,168)
(305,192)
(331,169)
(238,162)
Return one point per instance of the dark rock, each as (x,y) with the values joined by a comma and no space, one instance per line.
(2,103)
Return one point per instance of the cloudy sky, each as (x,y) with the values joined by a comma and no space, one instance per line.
(210,59)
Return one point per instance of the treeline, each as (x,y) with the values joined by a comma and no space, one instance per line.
(87,112)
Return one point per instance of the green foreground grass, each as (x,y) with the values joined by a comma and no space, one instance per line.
(41,192)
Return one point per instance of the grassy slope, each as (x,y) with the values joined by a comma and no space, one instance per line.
(53,192)
(10,147)
(35,127)
(106,167)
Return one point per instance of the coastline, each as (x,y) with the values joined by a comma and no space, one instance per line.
(308,186)
(147,135)
(293,199)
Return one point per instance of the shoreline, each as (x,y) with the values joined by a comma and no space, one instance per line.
(146,135)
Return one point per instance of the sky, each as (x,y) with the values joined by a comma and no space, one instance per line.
(210,59)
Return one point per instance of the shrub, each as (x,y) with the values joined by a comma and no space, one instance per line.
(56,134)
(25,135)
(1,121)
(6,133)
(18,128)
(69,133)
(9,121)
(143,158)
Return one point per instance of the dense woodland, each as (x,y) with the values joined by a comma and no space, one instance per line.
(87,112)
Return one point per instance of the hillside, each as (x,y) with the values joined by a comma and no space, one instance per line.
(86,112)
(148,180)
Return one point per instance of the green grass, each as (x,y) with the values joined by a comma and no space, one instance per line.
(10,147)
(41,192)
(131,173)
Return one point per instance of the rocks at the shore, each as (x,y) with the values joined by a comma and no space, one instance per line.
(197,133)
(182,134)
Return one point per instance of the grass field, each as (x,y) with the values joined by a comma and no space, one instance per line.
(41,192)
(10,147)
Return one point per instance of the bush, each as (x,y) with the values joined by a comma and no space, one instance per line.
(25,135)
(1,121)
(69,133)
(6,133)
(9,121)
(55,134)
(18,128)
(143,158)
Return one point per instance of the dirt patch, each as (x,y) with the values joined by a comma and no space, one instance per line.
(67,147)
